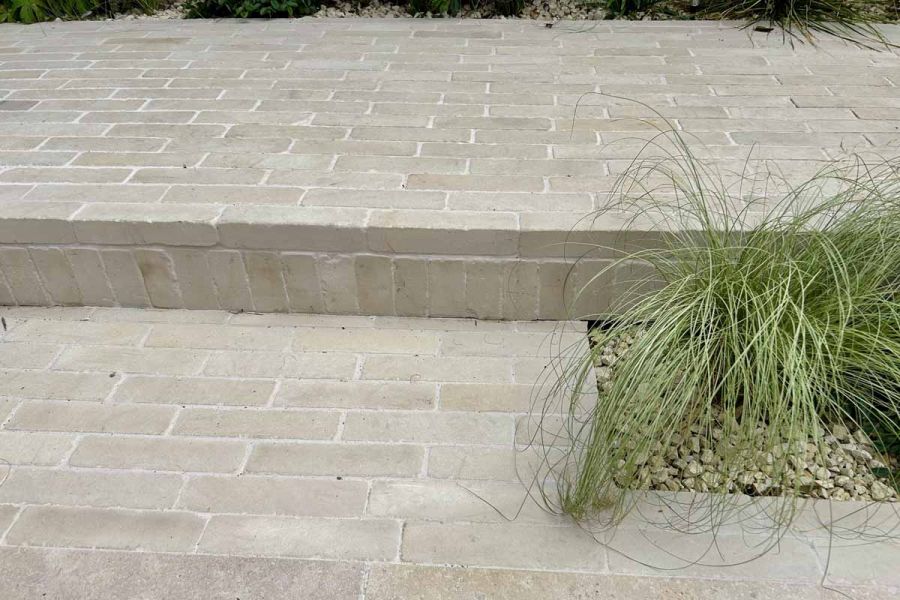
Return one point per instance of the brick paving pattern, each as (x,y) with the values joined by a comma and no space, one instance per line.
(302,165)
(381,446)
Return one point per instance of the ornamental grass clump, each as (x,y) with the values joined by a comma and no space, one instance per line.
(763,325)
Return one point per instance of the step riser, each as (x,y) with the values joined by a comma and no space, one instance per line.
(268,281)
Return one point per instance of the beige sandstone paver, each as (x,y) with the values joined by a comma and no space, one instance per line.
(406,168)
(396,482)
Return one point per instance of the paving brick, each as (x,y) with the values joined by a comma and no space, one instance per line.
(426,368)
(356,394)
(264,496)
(106,528)
(20,448)
(191,390)
(137,224)
(266,280)
(79,332)
(37,222)
(385,341)
(158,361)
(21,277)
(493,545)
(272,364)
(213,337)
(305,538)
(337,460)
(459,462)
(306,425)
(157,453)
(91,276)
(90,417)
(90,488)
(486,397)
(55,386)
(159,279)
(448,501)
(97,575)
(27,355)
(126,279)
(428,427)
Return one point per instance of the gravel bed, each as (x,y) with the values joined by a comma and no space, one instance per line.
(842,470)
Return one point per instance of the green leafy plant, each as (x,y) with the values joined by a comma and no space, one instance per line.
(800,19)
(625,8)
(35,11)
(762,320)
(247,9)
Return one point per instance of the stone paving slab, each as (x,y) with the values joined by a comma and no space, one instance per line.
(408,168)
(329,456)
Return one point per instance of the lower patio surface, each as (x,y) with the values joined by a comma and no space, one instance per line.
(208,454)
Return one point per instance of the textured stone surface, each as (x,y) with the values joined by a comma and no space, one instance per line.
(92,575)
(333,462)
(207,165)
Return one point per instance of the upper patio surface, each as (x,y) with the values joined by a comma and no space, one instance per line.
(433,140)
(409,114)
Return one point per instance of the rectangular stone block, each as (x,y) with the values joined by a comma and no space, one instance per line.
(90,488)
(158,453)
(267,286)
(343,539)
(26,355)
(301,283)
(193,275)
(337,460)
(91,277)
(430,368)
(219,338)
(516,545)
(160,281)
(275,423)
(446,287)
(230,280)
(21,276)
(356,394)
(43,385)
(411,292)
(158,361)
(56,275)
(125,278)
(487,397)
(337,280)
(431,427)
(153,531)
(374,283)
(79,332)
(193,390)
(381,341)
(320,229)
(20,448)
(90,417)
(309,365)
(267,496)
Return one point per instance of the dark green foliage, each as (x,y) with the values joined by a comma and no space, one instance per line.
(800,19)
(624,8)
(248,9)
(35,11)
(435,7)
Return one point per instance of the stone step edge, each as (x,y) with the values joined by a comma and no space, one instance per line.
(505,288)
(322,229)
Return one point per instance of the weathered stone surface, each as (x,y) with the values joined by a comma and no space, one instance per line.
(99,575)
